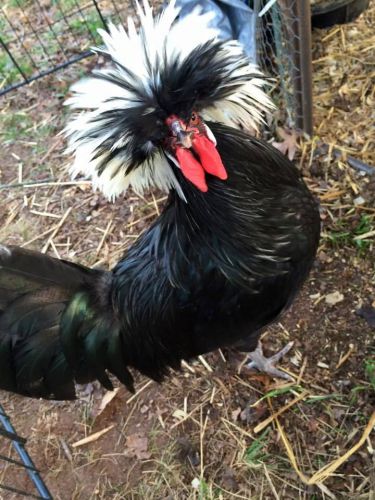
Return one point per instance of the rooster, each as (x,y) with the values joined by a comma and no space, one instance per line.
(232,247)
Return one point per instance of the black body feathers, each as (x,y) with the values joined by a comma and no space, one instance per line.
(207,274)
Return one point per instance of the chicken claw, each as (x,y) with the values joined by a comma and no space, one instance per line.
(267,365)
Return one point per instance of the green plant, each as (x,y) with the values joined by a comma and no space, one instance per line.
(344,234)
(14,126)
(18,3)
(370,371)
(9,73)
(92,23)
(282,390)
(364,226)
(203,490)
(254,455)
(65,5)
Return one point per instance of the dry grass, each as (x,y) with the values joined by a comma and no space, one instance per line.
(213,431)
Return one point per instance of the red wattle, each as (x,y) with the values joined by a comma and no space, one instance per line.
(191,168)
(209,157)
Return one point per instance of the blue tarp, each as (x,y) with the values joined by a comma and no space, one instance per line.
(234,19)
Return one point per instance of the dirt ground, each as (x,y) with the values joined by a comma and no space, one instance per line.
(203,434)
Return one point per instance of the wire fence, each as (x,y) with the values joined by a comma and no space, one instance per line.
(38,37)
(284,51)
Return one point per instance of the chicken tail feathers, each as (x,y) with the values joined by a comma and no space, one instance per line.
(55,328)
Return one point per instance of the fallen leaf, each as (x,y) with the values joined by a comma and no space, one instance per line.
(313,425)
(323,257)
(136,446)
(289,144)
(368,314)
(187,452)
(334,298)
(263,378)
(250,414)
(228,480)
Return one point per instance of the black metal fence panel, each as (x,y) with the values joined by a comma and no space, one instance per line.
(38,37)
(21,462)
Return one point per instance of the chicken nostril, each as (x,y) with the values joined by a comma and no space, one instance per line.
(176,127)
(184,138)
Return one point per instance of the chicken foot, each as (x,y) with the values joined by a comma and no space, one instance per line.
(267,365)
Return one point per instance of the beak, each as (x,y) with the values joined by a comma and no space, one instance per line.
(184,139)
(182,135)
(195,153)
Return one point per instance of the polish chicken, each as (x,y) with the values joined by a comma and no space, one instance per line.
(225,258)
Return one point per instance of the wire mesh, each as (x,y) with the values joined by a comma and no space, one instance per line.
(38,37)
(284,51)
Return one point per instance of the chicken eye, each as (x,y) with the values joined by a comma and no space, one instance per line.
(194,118)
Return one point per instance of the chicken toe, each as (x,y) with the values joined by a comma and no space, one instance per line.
(267,365)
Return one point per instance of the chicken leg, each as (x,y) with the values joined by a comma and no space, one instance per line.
(267,365)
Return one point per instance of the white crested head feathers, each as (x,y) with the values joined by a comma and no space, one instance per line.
(169,65)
